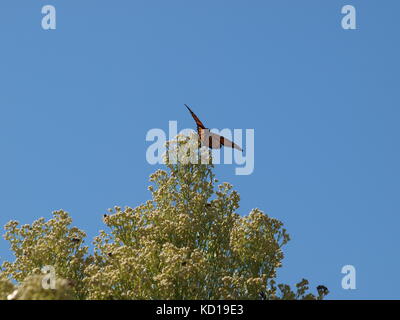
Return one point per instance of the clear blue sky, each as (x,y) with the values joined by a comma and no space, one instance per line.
(76,104)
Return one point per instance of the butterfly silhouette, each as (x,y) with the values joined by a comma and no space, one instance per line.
(210,139)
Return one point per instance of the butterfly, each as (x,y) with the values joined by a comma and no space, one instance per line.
(210,139)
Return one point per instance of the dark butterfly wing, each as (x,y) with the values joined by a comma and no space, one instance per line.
(228,143)
(197,120)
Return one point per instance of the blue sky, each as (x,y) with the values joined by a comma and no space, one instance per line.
(76,104)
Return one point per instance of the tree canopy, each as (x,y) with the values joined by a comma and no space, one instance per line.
(186,242)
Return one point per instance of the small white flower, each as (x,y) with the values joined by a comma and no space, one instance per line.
(13,295)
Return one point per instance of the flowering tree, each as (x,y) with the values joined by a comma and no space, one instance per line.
(187,242)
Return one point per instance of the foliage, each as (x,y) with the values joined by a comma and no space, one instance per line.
(47,243)
(187,242)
